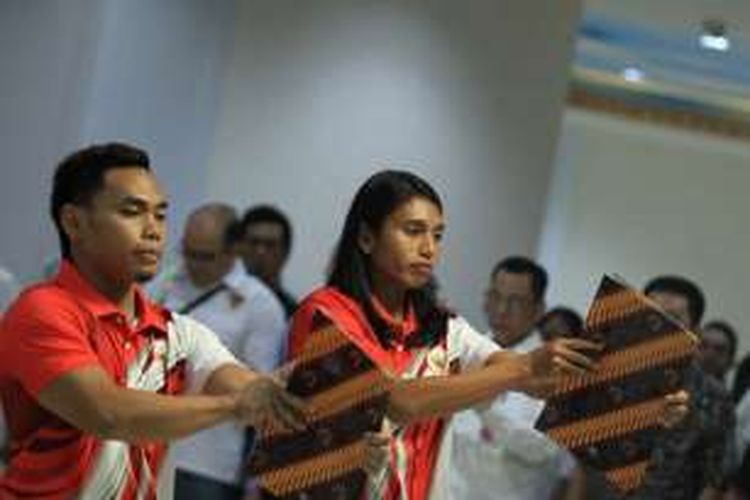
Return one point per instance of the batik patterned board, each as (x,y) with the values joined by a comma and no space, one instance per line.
(346,395)
(610,418)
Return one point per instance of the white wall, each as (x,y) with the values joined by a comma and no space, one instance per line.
(321,94)
(642,200)
(317,95)
(80,71)
(46,56)
(157,83)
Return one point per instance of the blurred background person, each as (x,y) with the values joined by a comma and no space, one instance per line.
(210,285)
(265,245)
(560,322)
(718,348)
(497,451)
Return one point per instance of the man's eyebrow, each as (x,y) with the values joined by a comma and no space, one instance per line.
(140,201)
(130,199)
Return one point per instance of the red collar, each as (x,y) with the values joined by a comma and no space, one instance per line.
(150,315)
(349,318)
(401,328)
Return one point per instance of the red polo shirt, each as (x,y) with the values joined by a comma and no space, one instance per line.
(52,329)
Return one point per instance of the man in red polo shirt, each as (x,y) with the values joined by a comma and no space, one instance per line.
(94,377)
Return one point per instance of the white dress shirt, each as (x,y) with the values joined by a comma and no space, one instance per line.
(8,289)
(742,429)
(249,320)
(497,453)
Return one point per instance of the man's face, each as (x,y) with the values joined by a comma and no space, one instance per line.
(206,257)
(511,308)
(676,305)
(262,250)
(715,354)
(120,233)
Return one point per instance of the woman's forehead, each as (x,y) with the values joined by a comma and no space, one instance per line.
(418,208)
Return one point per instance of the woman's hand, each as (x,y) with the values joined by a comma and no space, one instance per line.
(378,456)
(548,363)
(377,452)
(675,409)
(563,356)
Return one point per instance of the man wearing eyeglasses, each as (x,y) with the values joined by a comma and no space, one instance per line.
(497,452)
(211,286)
(514,301)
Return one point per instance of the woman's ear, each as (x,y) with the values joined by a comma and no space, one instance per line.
(365,240)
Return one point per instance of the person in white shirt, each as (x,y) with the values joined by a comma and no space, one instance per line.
(8,289)
(741,396)
(210,285)
(497,453)
(560,322)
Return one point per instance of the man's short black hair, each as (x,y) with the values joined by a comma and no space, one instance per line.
(678,285)
(268,213)
(569,316)
(523,265)
(727,330)
(80,176)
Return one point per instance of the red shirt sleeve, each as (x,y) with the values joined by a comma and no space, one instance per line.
(45,335)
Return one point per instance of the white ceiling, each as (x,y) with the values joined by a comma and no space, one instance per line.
(675,14)
(660,37)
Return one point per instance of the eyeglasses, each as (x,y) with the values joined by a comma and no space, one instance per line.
(200,255)
(513,303)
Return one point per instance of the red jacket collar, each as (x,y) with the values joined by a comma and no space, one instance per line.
(350,319)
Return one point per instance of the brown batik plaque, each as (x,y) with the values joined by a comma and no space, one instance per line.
(610,418)
(346,394)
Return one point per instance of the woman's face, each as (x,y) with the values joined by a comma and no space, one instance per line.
(407,247)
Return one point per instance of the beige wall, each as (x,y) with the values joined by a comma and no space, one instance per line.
(641,200)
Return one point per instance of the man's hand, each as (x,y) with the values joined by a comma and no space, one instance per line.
(264,403)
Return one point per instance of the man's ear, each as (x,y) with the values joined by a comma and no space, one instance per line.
(365,239)
(541,308)
(71,221)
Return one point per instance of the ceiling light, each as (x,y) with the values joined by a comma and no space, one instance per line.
(714,35)
(632,74)
(710,42)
